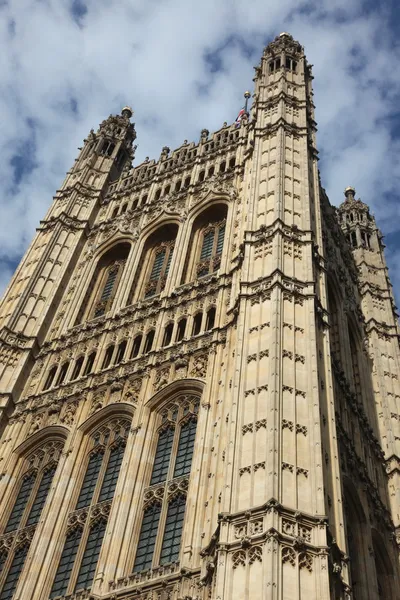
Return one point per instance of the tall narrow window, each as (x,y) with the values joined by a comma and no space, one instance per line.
(108,357)
(120,352)
(91,555)
(41,495)
(180,334)
(173,530)
(210,320)
(207,243)
(160,268)
(197,323)
(50,378)
(168,334)
(89,363)
(91,476)
(149,341)
(98,487)
(172,460)
(163,455)
(66,563)
(21,502)
(62,374)
(147,539)
(103,287)
(136,346)
(155,263)
(29,502)
(11,580)
(77,367)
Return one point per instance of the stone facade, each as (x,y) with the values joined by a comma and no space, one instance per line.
(214,294)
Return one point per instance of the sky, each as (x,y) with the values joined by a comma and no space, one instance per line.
(184,65)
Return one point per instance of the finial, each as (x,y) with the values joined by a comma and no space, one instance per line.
(127,112)
(349,192)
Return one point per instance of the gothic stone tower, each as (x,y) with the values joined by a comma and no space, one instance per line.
(200,373)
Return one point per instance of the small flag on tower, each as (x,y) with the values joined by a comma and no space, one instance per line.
(243,111)
(239,117)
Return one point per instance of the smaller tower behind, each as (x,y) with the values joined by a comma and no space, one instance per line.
(382,329)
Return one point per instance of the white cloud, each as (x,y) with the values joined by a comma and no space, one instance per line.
(152,54)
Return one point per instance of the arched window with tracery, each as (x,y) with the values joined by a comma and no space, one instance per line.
(207,243)
(85,534)
(155,263)
(103,287)
(22,517)
(165,499)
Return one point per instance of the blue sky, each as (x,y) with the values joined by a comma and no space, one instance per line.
(183,65)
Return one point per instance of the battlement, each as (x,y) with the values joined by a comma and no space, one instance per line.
(186,156)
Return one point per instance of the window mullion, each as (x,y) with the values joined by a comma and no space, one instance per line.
(161,527)
(98,290)
(174,451)
(31,499)
(214,248)
(102,472)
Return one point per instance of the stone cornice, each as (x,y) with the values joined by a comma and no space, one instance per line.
(64,220)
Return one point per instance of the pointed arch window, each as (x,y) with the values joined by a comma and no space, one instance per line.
(78,562)
(90,363)
(62,374)
(120,352)
(100,295)
(180,334)
(29,500)
(210,318)
(108,357)
(168,334)
(50,378)
(161,262)
(162,523)
(155,263)
(207,243)
(137,342)
(77,368)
